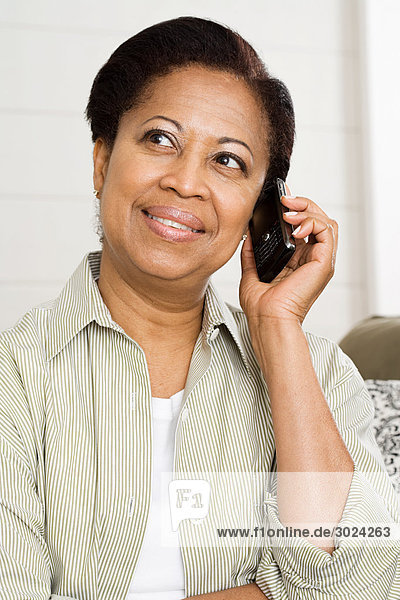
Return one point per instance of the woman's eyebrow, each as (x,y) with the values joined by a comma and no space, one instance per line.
(177,125)
(223,140)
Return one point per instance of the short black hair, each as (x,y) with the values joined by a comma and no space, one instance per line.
(124,80)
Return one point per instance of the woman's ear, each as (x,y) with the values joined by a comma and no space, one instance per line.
(101,159)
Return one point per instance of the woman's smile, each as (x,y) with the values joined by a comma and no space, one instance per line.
(169,229)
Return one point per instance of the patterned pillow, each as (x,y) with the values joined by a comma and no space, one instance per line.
(386,397)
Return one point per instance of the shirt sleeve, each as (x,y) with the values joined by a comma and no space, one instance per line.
(354,570)
(25,565)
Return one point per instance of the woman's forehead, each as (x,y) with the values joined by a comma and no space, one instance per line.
(200,97)
(202,82)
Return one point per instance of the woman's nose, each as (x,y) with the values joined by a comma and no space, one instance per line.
(186,176)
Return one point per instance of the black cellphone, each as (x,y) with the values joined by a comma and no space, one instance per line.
(271,236)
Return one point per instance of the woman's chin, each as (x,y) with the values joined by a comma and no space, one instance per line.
(169,271)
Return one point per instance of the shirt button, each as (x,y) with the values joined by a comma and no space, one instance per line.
(133,401)
(185,414)
(214,334)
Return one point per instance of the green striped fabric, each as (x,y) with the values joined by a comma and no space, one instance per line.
(76,457)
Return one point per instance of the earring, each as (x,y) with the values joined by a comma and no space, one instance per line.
(95,192)
(244,236)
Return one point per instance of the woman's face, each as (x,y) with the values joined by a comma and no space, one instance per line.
(188,166)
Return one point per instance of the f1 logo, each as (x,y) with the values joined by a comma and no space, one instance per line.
(188,499)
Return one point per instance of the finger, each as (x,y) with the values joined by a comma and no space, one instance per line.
(296,217)
(300,201)
(304,204)
(322,231)
(301,218)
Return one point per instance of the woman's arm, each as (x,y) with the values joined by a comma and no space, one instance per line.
(307,440)
(308,444)
(313,464)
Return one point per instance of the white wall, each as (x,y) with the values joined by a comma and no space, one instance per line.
(380,63)
(50,53)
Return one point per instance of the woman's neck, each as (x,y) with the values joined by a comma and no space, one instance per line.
(155,313)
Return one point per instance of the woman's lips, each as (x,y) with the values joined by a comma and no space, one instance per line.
(176,214)
(170,233)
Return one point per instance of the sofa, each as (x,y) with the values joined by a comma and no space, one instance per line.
(373,345)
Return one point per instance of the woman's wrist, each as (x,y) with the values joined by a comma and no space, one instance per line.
(275,340)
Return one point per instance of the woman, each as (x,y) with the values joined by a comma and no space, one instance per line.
(188,126)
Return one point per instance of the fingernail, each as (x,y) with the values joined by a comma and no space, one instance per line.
(291,213)
(296,230)
(289,197)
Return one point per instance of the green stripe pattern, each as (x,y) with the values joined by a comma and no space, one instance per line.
(76,458)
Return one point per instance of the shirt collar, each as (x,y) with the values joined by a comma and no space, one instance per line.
(80,302)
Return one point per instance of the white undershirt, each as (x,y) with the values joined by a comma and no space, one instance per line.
(159,574)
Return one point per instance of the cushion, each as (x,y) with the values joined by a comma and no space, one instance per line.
(374,347)
(386,397)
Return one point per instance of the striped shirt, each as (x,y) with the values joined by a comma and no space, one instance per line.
(76,458)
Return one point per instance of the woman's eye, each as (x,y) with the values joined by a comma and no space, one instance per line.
(229,157)
(153,135)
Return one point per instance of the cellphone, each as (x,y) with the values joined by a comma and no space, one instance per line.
(271,236)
